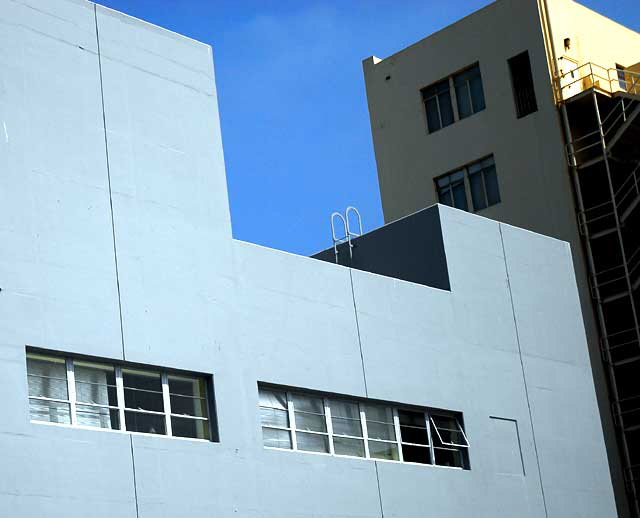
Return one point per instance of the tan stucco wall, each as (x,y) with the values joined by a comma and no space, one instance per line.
(594,38)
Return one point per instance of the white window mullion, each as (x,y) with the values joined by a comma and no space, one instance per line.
(427,421)
(71,388)
(120,396)
(166,398)
(365,433)
(396,425)
(292,422)
(327,415)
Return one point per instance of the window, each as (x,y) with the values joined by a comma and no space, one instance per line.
(346,424)
(48,391)
(353,428)
(381,431)
(469,96)
(524,94)
(274,414)
(451,190)
(437,101)
(311,423)
(469,93)
(414,431)
(94,394)
(622,82)
(479,178)
(449,440)
(484,184)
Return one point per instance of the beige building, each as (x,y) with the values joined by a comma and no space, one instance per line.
(528,112)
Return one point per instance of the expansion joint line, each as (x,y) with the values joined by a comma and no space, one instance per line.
(106,150)
(135,484)
(355,312)
(364,377)
(524,378)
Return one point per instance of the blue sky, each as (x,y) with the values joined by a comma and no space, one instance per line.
(293,108)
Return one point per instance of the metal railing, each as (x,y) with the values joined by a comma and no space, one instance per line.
(610,283)
(621,346)
(628,415)
(580,149)
(601,218)
(592,75)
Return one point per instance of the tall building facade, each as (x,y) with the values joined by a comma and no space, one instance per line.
(528,112)
(152,365)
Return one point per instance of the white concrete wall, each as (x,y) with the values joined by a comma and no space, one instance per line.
(151,199)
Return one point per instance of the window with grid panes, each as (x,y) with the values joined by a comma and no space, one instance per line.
(96,394)
(311,422)
(437,102)
(475,184)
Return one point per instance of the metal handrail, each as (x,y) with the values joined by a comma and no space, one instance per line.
(608,125)
(604,210)
(604,78)
(634,185)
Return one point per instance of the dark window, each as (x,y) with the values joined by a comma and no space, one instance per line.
(621,80)
(524,94)
(484,184)
(469,92)
(450,443)
(437,101)
(414,433)
(451,190)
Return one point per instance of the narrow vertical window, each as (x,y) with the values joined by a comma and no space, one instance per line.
(469,92)
(484,184)
(48,391)
(347,428)
(449,441)
(274,415)
(524,94)
(311,424)
(381,432)
(437,101)
(452,191)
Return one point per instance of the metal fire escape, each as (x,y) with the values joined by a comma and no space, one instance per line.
(601,115)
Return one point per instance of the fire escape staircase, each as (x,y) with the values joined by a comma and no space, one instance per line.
(617,140)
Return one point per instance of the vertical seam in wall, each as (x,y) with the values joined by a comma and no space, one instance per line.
(355,311)
(135,485)
(375,462)
(364,377)
(113,235)
(106,150)
(524,378)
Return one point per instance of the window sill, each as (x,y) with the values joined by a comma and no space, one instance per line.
(123,432)
(325,454)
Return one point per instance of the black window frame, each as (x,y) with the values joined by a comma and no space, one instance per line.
(466,175)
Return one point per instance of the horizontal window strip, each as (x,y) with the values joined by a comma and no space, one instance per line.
(95,392)
(361,429)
